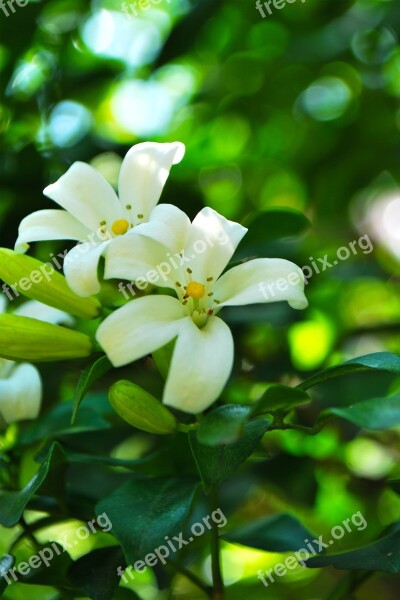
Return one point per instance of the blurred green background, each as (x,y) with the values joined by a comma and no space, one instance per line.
(298,110)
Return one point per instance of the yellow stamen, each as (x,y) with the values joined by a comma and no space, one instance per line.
(120,226)
(195,290)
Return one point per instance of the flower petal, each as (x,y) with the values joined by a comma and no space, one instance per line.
(49,225)
(167,225)
(139,328)
(143,174)
(132,257)
(80,268)
(86,195)
(200,366)
(213,240)
(21,394)
(262,280)
(42,312)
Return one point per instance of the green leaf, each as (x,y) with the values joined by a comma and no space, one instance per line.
(54,572)
(394,484)
(215,464)
(96,573)
(374,414)
(381,555)
(143,512)
(279,533)
(57,423)
(274,224)
(125,594)
(224,425)
(279,398)
(88,377)
(7,562)
(48,479)
(381,361)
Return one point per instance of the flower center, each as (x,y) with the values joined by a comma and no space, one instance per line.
(120,226)
(195,290)
(197,298)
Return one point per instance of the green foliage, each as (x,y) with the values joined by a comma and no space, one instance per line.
(47,479)
(143,512)
(280,533)
(217,463)
(88,377)
(380,361)
(96,573)
(381,555)
(223,426)
(278,398)
(374,414)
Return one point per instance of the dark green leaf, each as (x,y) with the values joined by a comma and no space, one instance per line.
(279,398)
(381,361)
(274,224)
(7,562)
(125,594)
(96,573)
(395,485)
(57,423)
(224,425)
(48,478)
(215,464)
(143,512)
(280,533)
(88,377)
(53,570)
(374,414)
(381,555)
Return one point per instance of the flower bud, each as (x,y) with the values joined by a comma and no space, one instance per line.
(32,278)
(140,409)
(23,338)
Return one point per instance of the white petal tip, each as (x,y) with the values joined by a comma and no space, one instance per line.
(179,152)
(298,304)
(21,248)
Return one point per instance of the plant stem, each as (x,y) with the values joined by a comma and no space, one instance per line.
(218,583)
(191,576)
(283,426)
(349,584)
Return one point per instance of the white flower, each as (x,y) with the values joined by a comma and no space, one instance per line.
(21,384)
(203,354)
(95,215)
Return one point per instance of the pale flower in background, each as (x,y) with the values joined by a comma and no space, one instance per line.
(20,383)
